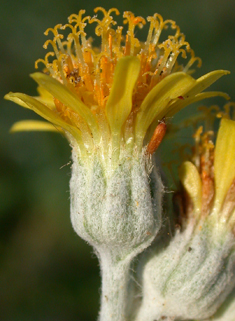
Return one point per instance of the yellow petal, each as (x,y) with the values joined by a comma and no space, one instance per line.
(34,125)
(156,102)
(205,81)
(68,98)
(16,100)
(224,164)
(119,103)
(182,91)
(43,111)
(191,181)
(44,93)
(192,94)
(180,104)
(45,97)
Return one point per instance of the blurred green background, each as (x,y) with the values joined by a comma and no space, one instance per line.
(46,271)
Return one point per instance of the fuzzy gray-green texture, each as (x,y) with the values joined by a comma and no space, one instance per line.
(120,209)
(117,209)
(189,278)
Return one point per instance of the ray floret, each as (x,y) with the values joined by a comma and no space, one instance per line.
(110,97)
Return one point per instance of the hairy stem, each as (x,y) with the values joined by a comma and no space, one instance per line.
(115,294)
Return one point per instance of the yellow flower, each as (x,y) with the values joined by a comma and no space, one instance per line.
(210,179)
(107,98)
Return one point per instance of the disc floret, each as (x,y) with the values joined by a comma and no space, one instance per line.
(188,276)
(209,179)
(108,97)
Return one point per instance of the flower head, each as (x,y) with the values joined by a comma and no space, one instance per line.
(209,179)
(188,276)
(108,98)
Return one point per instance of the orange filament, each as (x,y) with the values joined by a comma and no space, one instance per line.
(204,160)
(89,71)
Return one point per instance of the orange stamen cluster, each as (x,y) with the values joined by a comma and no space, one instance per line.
(89,71)
(203,154)
(204,161)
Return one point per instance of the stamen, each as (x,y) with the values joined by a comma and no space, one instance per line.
(79,23)
(79,53)
(57,36)
(132,22)
(208,115)
(196,154)
(45,61)
(103,26)
(192,60)
(110,45)
(53,43)
(227,111)
(88,72)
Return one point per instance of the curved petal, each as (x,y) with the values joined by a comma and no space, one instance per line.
(68,98)
(45,97)
(199,85)
(191,181)
(119,103)
(205,81)
(43,111)
(34,125)
(156,102)
(181,96)
(224,164)
(180,104)
(13,97)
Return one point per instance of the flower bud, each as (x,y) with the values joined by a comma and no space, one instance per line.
(119,209)
(189,279)
(109,102)
(192,276)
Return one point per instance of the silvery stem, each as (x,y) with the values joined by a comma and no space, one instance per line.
(115,294)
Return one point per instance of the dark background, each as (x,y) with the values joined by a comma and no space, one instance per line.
(46,271)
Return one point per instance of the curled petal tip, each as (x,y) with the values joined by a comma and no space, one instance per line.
(8,96)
